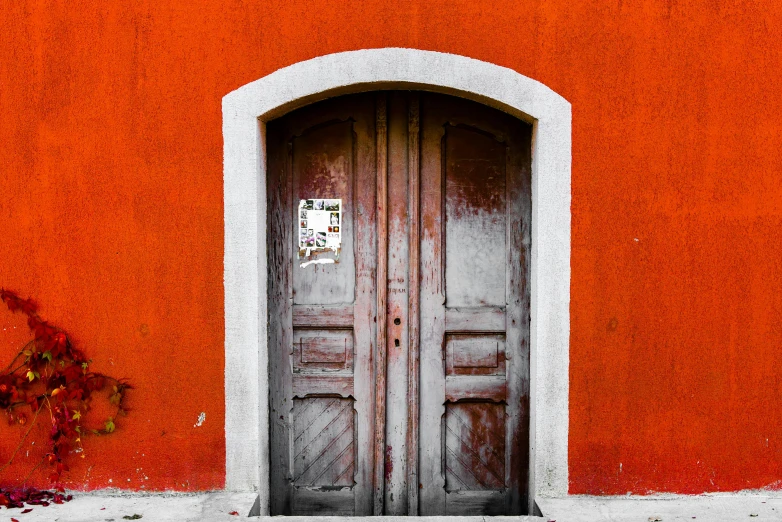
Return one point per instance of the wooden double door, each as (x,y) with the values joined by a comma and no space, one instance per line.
(399,344)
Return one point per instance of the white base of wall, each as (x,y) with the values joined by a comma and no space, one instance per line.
(723,507)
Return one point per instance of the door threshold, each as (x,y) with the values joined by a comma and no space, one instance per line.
(256,510)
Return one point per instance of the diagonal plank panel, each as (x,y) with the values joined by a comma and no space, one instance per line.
(475,446)
(324,452)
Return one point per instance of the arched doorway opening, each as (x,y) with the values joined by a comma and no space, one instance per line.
(246,112)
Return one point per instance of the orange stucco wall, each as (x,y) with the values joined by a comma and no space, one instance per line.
(111,213)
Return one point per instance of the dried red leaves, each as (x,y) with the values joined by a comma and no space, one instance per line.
(18,497)
(50,372)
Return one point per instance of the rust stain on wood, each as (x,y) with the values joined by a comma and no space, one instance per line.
(388,462)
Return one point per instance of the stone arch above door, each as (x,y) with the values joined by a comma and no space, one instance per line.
(245,112)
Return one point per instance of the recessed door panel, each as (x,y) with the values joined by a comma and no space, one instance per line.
(475,218)
(474,446)
(323,442)
(322,168)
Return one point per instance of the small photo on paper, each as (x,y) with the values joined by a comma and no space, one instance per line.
(332,205)
(309,241)
(303,214)
(310,232)
(334,218)
(320,241)
(304,223)
(335,229)
(308,204)
(317,204)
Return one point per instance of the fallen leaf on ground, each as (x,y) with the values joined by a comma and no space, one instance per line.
(27,510)
(135,516)
(233,513)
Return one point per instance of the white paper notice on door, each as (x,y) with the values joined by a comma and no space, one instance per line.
(320,227)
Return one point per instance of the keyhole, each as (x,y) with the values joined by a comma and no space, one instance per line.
(397,321)
(396,343)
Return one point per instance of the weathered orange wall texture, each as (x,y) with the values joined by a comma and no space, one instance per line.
(111,212)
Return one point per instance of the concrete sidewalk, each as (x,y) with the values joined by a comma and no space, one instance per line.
(113,506)
(712,508)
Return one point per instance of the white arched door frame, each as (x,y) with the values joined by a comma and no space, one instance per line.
(245,113)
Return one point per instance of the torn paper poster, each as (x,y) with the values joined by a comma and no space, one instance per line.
(320,226)
(317,262)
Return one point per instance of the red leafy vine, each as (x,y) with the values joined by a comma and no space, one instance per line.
(50,374)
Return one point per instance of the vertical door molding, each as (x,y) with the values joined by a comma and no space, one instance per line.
(413,295)
(381,149)
(245,113)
